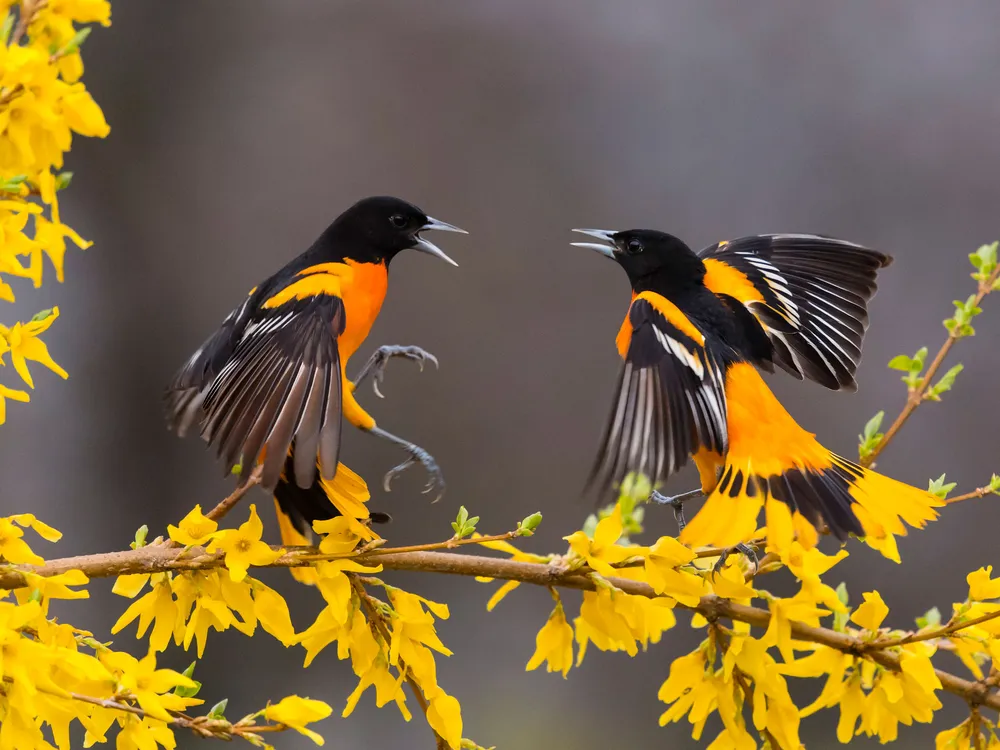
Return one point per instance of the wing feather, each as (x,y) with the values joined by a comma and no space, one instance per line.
(670,401)
(810,293)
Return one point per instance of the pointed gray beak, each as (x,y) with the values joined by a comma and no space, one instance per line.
(426,246)
(607,250)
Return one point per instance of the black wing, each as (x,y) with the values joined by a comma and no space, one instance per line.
(273,381)
(670,401)
(815,298)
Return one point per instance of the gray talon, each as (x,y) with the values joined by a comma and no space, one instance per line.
(377,363)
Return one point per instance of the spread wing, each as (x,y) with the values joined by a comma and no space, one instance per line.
(810,294)
(268,378)
(670,399)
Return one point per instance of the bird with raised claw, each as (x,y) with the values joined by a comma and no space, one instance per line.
(269,388)
(698,327)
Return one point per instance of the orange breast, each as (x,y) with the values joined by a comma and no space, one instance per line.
(363,296)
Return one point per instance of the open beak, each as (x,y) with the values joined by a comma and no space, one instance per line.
(426,246)
(607,249)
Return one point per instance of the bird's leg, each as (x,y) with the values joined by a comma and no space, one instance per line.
(376,364)
(677,503)
(417,456)
(744,549)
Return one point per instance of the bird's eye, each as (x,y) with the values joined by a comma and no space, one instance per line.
(398,221)
(634,246)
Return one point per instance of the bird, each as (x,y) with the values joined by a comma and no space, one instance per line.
(268,389)
(699,328)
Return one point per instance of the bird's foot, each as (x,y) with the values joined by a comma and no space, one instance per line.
(376,364)
(418,455)
(743,549)
(677,503)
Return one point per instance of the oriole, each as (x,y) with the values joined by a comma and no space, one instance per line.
(270,385)
(698,327)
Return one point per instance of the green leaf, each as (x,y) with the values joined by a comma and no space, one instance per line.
(6,27)
(901,362)
(73,45)
(63,180)
(13,184)
(530,523)
(944,384)
(930,619)
(36,596)
(840,618)
(186,692)
(40,316)
(984,260)
(140,537)
(219,709)
(939,488)
(590,525)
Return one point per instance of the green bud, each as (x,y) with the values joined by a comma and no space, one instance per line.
(186,692)
(528,525)
(73,45)
(6,27)
(40,316)
(944,384)
(870,439)
(840,618)
(219,709)
(930,619)
(140,537)
(36,596)
(939,488)
(63,180)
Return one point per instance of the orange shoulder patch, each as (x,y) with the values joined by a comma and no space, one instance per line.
(722,278)
(674,316)
(321,279)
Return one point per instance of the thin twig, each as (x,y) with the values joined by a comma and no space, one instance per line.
(931,635)
(917,395)
(29,9)
(236,495)
(449,544)
(976,493)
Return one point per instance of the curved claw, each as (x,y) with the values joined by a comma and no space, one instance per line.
(380,359)
(744,549)
(419,456)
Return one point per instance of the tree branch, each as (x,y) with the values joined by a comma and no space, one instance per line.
(917,395)
(159,559)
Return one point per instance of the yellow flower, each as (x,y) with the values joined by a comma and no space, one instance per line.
(25,346)
(150,686)
(243,547)
(157,607)
(296,712)
(554,644)
(340,536)
(981,586)
(729,583)
(54,587)
(870,614)
(602,552)
(194,529)
(661,567)
(13,548)
(272,611)
(13,395)
(798,608)
(444,714)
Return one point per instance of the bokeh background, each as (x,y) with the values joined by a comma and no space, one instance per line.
(239,130)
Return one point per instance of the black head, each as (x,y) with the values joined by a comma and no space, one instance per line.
(651,259)
(376,229)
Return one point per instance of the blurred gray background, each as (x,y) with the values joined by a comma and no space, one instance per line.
(239,130)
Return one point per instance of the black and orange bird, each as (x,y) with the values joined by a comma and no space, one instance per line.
(698,328)
(270,388)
